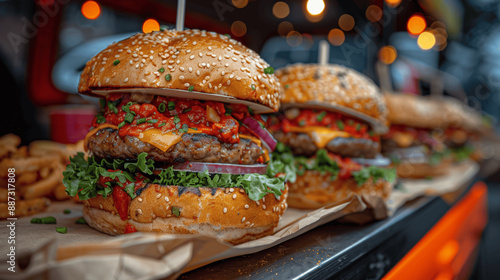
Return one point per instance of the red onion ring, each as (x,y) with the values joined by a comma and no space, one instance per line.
(222,168)
(264,135)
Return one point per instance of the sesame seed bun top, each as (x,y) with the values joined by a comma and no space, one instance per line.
(334,85)
(193,60)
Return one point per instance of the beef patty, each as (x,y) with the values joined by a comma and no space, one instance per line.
(106,143)
(302,144)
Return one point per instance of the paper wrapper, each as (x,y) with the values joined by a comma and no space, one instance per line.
(84,253)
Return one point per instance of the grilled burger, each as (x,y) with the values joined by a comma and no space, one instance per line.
(428,134)
(179,145)
(328,133)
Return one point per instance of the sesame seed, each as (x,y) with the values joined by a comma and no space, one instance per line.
(200,54)
(194,43)
(231,190)
(263,206)
(258,203)
(166,198)
(243,220)
(143,60)
(198,72)
(181,77)
(231,76)
(178,62)
(223,73)
(227,65)
(144,80)
(100,206)
(168,206)
(220,58)
(150,57)
(140,199)
(158,196)
(181,68)
(139,211)
(247,206)
(209,48)
(264,199)
(145,56)
(192,56)
(224,210)
(186,84)
(238,78)
(234,196)
(228,82)
(126,80)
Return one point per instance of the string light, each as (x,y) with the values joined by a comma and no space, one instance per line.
(150,25)
(387,54)
(416,24)
(281,10)
(346,22)
(336,37)
(238,28)
(91,10)
(315,7)
(374,13)
(426,40)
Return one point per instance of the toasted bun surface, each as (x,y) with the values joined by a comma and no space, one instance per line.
(431,113)
(224,213)
(333,85)
(210,62)
(314,190)
(415,170)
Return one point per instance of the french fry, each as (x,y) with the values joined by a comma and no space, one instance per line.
(46,186)
(10,140)
(42,148)
(25,207)
(27,178)
(59,192)
(44,172)
(24,165)
(21,152)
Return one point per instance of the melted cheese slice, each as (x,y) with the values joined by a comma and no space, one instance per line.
(160,140)
(320,135)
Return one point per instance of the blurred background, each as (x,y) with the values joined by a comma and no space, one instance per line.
(427,47)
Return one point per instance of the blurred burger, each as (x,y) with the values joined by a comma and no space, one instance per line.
(428,134)
(180,145)
(328,133)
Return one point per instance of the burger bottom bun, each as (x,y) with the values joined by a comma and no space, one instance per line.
(225,213)
(314,190)
(407,169)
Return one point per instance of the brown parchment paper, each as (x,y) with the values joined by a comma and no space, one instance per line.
(84,253)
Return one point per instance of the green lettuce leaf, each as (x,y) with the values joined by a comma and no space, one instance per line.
(82,175)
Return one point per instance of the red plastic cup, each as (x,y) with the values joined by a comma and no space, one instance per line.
(71,123)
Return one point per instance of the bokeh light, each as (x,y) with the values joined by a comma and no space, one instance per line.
(346,22)
(281,10)
(336,37)
(426,40)
(387,54)
(284,28)
(416,24)
(240,3)
(294,39)
(150,25)
(393,3)
(91,10)
(374,13)
(238,28)
(315,7)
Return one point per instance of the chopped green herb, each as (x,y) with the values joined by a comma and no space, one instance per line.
(358,127)
(129,118)
(102,103)
(112,107)
(287,86)
(184,128)
(116,62)
(340,124)
(152,121)
(67,211)
(302,123)
(250,110)
(191,88)
(80,221)
(36,221)
(121,124)
(228,36)
(186,110)
(228,114)
(194,128)
(162,124)
(48,220)
(161,107)
(62,229)
(176,119)
(141,120)
(321,116)
(161,70)
(252,86)
(168,77)
(176,211)
(269,70)
(371,133)
(171,105)
(100,119)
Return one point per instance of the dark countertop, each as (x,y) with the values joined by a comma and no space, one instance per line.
(336,250)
